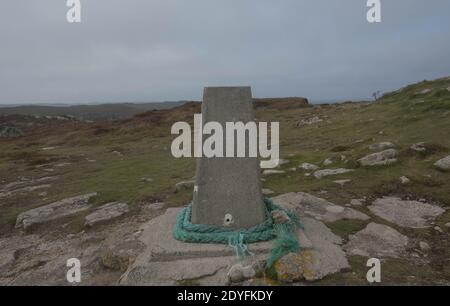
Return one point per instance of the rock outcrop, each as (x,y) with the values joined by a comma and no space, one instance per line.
(377,240)
(382,158)
(320,209)
(411,214)
(106,212)
(443,164)
(54,211)
(327,172)
(381,146)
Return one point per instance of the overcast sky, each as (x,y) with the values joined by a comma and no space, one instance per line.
(161,50)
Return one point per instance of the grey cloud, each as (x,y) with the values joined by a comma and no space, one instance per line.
(141,50)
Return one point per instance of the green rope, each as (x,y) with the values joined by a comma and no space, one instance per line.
(283,235)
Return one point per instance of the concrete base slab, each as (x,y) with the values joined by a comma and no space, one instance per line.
(167,261)
(157,234)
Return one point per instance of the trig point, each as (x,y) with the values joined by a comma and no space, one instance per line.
(228,190)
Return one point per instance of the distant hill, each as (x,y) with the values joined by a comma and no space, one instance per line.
(281,103)
(120,111)
(111,111)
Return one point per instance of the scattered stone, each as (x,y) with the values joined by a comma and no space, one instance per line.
(308,166)
(326,172)
(43,194)
(413,214)
(269,172)
(377,240)
(146,179)
(438,229)
(56,210)
(312,120)
(23,190)
(308,205)
(425,91)
(356,202)
(447,224)
(267,191)
(419,147)
(381,146)
(60,165)
(239,273)
(342,182)
(443,164)
(5,194)
(327,162)
(424,246)
(386,157)
(33,188)
(307,174)
(185,185)
(47,178)
(106,212)
(48,148)
(11,186)
(404,180)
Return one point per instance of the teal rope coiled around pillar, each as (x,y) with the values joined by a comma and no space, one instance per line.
(283,235)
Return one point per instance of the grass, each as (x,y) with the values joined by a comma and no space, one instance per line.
(346,227)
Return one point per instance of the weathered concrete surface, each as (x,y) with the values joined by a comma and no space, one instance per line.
(308,205)
(54,211)
(412,214)
(377,240)
(228,186)
(106,212)
(157,235)
(169,273)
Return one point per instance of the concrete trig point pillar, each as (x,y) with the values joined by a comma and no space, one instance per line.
(228,190)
